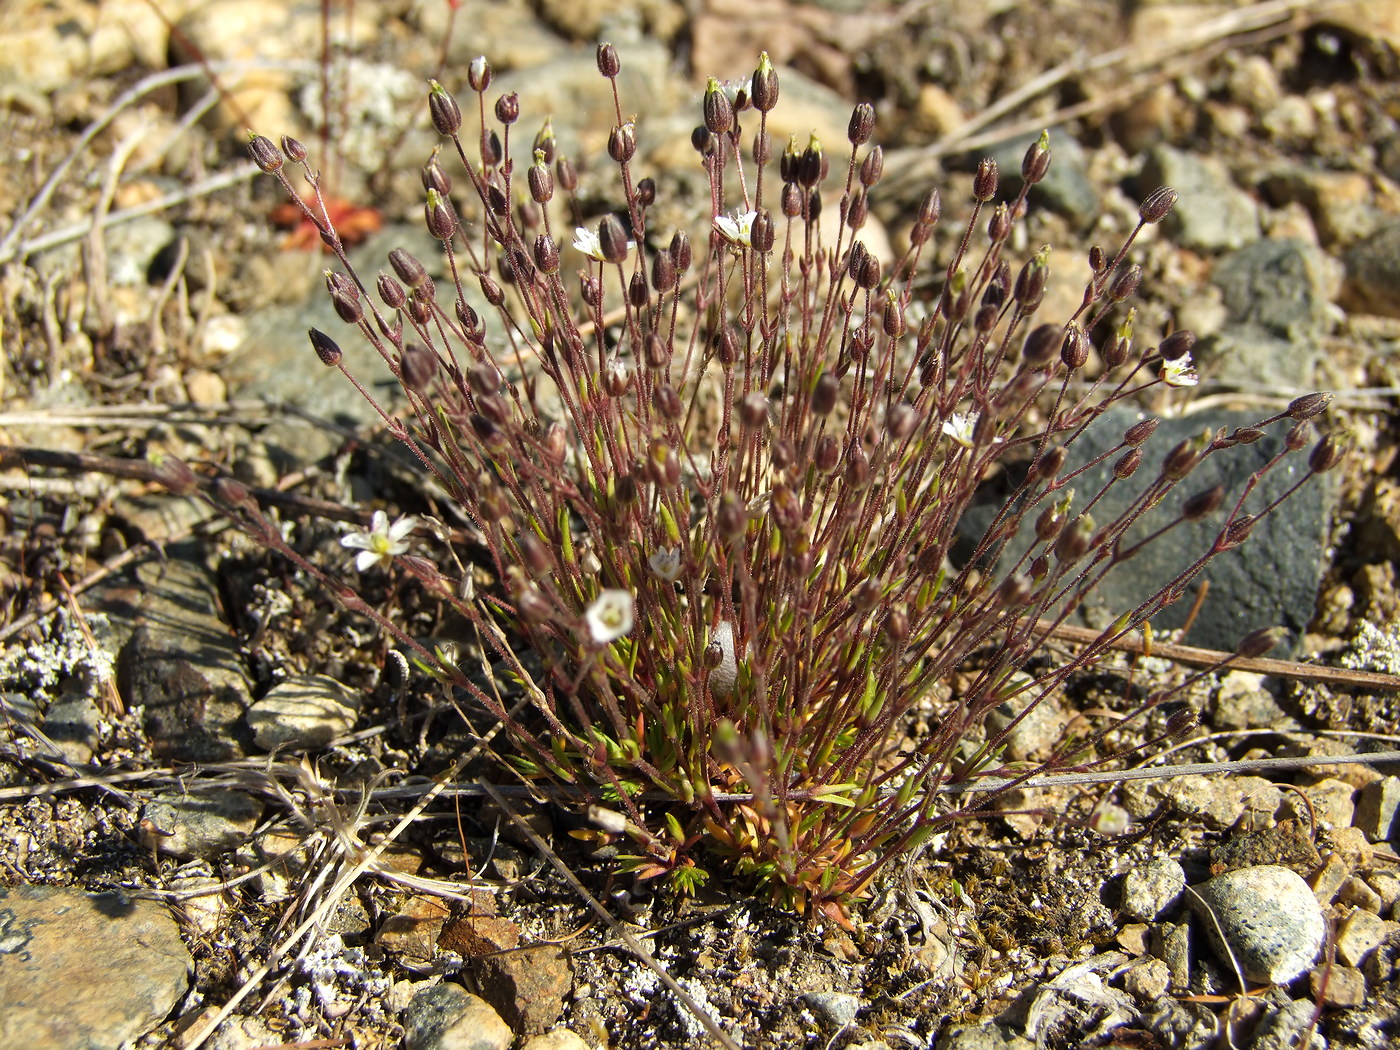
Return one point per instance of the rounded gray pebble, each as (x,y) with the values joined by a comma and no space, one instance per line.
(1150,890)
(1267,916)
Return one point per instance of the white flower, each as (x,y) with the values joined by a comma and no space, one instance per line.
(1179,372)
(609,617)
(960,428)
(383,540)
(586,241)
(738,228)
(666,563)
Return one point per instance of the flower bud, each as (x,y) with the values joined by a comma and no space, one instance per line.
(1049,523)
(984,183)
(345,297)
(731,519)
(719,111)
(391,292)
(492,291)
(930,209)
(680,251)
(175,474)
(566,173)
(508,108)
(622,142)
(1203,503)
(325,347)
(668,402)
(440,216)
(827,454)
(1180,461)
(999,225)
(1074,542)
(893,319)
(1036,162)
(762,233)
(1127,464)
(1261,642)
(792,200)
(1029,289)
(265,155)
(612,238)
(541,182)
(1040,345)
(857,467)
(447,116)
(546,254)
(1138,433)
(409,269)
(295,151)
(1075,349)
(555,444)
(1158,204)
(764,84)
(862,124)
(663,272)
(1237,532)
(419,366)
(754,411)
(726,346)
(872,167)
(1307,406)
(1182,721)
(825,393)
(1326,454)
(811,166)
(1125,284)
(646,192)
(1048,467)
(608,62)
(479,74)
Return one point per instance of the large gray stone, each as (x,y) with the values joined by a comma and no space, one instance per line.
(85,972)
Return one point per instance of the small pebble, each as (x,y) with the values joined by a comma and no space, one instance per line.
(1265,917)
(1344,986)
(1151,889)
(1359,935)
(834,1009)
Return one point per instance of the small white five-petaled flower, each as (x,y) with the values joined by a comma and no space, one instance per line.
(960,428)
(586,241)
(666,563)
(383,540)
(609,617)
(737,228)
(1179,372)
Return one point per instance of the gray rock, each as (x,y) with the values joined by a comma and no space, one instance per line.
(448,1017)
(1345,986)
(1066,188)
(1373,273)
(74,724)
(833,1009)
(1147,979)
(85,972)
(1265,918)
(1242,702)
(1036,734)
(1189,1026)
(1276,296)
(1376,809)
(1213,214)
(132,248)
(303,711)
(1151,889)
(1272,579)
(180,663)
(1283,1028)
(986,1036)
(202,825)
